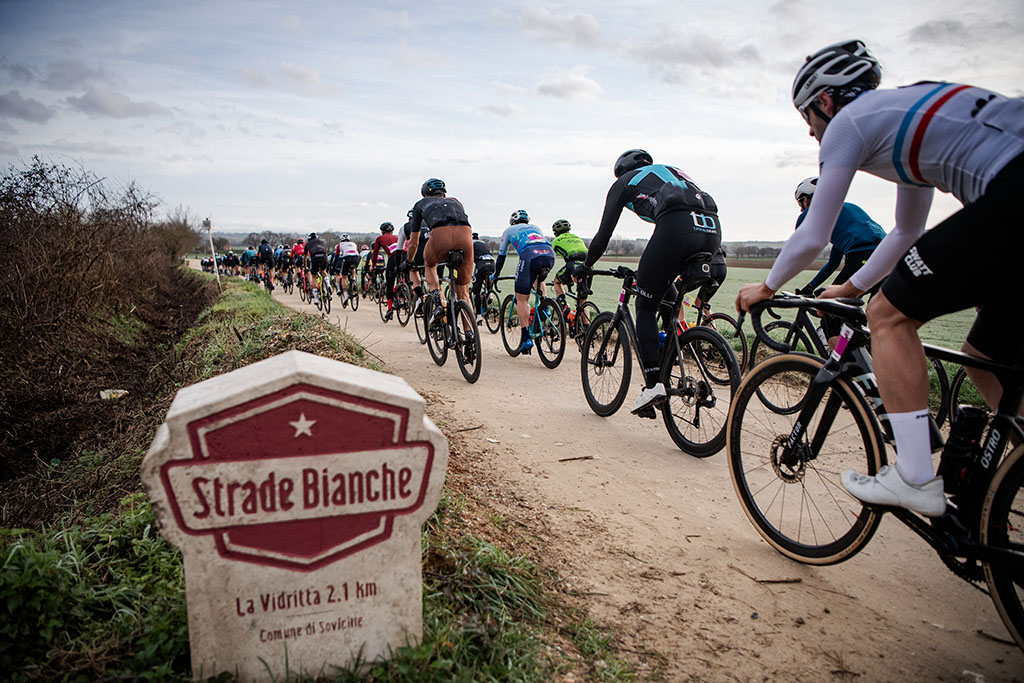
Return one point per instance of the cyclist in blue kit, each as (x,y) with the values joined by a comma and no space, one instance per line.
(853,239)
(685,222)
(535,253)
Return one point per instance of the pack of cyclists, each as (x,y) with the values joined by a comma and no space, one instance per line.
(958,138)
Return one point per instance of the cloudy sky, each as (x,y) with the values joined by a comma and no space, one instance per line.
(330,114)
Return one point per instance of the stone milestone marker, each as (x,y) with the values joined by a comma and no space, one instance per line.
(296,488)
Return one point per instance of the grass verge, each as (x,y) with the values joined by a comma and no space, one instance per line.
(101,596)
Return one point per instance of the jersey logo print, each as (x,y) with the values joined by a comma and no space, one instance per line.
(705,223)
(913,151)
(916,264)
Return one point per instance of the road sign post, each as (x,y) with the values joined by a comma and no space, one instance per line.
(296,488)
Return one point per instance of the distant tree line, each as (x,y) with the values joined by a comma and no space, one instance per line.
(754,251)
(222,242)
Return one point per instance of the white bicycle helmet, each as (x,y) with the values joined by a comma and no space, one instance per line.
(806,187)
(834,66)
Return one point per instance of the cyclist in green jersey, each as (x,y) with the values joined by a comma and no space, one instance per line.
(573,251)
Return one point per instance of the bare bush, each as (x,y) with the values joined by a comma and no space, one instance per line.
(175,236)
(73,244)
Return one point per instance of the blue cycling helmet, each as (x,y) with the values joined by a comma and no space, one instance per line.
(632,159)
(518,216)
(432,187)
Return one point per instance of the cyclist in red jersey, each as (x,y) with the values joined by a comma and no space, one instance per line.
(386,243)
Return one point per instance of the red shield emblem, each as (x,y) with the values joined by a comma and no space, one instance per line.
(298,478)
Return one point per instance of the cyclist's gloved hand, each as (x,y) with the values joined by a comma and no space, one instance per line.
(805,291)
(404,266)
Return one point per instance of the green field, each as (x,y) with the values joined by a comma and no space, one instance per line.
(948,331)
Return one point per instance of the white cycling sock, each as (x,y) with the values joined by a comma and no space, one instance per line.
(913,445)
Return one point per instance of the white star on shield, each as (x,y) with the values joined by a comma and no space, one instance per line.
(303,426)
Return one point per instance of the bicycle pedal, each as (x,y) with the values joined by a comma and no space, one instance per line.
(647,412)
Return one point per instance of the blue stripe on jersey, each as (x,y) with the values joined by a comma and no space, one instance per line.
(660,171)
(901,134)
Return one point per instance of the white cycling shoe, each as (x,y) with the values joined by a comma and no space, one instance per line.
(649,398)
(889,488)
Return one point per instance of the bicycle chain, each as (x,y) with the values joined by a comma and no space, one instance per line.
(969,572)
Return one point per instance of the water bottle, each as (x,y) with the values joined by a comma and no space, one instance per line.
(662,335)
(531,317)
(962,447)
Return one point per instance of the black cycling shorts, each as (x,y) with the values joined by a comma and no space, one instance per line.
(317,264)
(673,242)
(971,259)
(566,272)
(483,269)
(349,264)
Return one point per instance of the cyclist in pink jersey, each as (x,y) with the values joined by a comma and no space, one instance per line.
(961,139)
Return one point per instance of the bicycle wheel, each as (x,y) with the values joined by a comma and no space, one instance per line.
(492,312)
(585,314)
(551,342)
(418,307)
(726,326)
(302,292)
(785,332)
(696,408)
(325,296)
(794,497)
(437,342)
(938,395)
(1002,526)
(606,364)
(962,390)
(510,334)
(289,285)
(400,304)
(718,361)
(353,298)
(467,341)
(382,310)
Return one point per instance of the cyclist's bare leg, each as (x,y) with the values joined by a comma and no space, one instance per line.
(559,289)
(431,274)
(900,365)
(987,384)
(523,309)
(902,374)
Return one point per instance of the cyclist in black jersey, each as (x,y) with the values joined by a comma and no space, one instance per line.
(315,260)
(685,222)
(445,219)
(483,261)
(408,260)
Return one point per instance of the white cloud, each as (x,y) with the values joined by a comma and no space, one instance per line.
(292,23)
(68,74)
(13,105)
(571,86)
(672,55)
(291,78)
(505,111)
(105,102)
(99,147)
(575,29)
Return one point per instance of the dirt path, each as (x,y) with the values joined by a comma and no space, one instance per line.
(659,544)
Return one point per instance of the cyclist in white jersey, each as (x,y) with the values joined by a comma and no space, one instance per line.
(349,253)
(960,139)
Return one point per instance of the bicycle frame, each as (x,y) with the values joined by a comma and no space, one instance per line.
(623,314)
(952,536)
